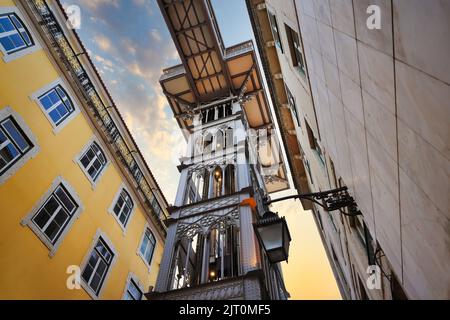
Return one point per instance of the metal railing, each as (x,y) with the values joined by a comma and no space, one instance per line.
(124,153)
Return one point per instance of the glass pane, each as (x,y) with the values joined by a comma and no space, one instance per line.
(85,161)
(128,296)
(95,282)
(90,266)
(144,245)
(149,254)
(42,217)
(134,291)
(124,216)
(16,135)
(55,227)
(17,40)
(92,172)
(61,92)
(6,24)
(55,116)
(103,251)
(2,137)
(16,21)
(9,153)
(65,199)
(46,102)
(7,43)
(54,98)
(62,110)
(26,37)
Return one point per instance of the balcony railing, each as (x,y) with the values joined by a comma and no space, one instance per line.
(229,289)
(100,112)
(172,72)
(239,49)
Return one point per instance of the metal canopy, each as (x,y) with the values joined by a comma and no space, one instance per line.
(199,43)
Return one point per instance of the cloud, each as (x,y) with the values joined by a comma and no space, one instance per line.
(130,57)
(155,35)
(103,42)
(97,4)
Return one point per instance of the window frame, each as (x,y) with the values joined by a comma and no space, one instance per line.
(83,151)
(28,219)
(113,204)
(133,278)
(273,21)
(31,153)
(98,235)
(8,57)
(139,253)
(36,96)
(295,47)
(293,106)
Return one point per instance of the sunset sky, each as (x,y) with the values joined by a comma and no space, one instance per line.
(130,45)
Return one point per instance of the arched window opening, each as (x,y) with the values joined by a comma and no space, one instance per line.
(223,253)
(207,143)
(204,116)
(229,138)
(211,114)
(187,263)
(220,112)
(206,258)
(198,186)
(228,110)
(230,180)
(198,146)
(220,140)
(217,182)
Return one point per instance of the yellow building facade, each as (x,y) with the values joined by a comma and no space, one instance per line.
(80,210)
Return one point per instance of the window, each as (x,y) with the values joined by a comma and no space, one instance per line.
(93,161)
(275,31)
(314,144)
(295,49)
(57,104)
(123,207)
(97,266)
(363,233)
(133,292)
(292,106)
(156,207)
(53,215)
(14,36)
(14,144)
(147,246)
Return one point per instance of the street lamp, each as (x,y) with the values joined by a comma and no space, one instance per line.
(273,234)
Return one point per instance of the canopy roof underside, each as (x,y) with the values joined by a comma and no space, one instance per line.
(211,72)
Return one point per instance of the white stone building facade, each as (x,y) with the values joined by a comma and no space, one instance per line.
(371,111)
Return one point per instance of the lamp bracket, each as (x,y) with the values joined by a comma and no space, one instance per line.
(331,200)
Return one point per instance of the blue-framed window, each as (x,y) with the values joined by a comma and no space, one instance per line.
(14,36)
(14,144)
(57,104)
